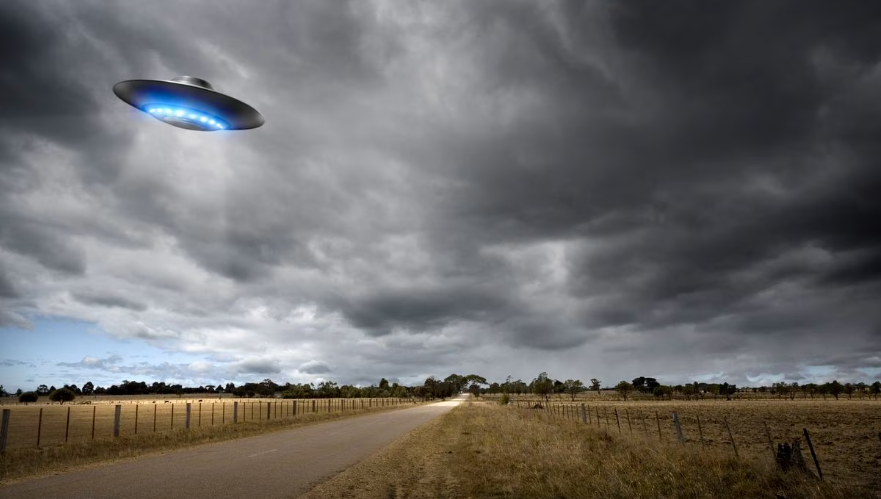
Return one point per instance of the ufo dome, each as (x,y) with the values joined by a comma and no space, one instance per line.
(188,102)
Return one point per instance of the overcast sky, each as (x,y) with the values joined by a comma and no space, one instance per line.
(684,190)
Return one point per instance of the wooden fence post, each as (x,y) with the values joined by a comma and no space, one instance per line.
(630,426)
(94,412)
(235,412)
(583,413)
(67,425)
(39,426)
(813,454)
(137,406)
(117,417)
(617,421)
(223,413)
(268,410)
(725,420)
(4,429)
(189,412)
(172,415)
(658,420)
(678,427)
(155,407)
(598,416)
(770,441)
(700,430)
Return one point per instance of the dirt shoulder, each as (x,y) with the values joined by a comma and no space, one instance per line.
(414,466)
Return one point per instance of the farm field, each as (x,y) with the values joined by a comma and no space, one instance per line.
(483,449)
(45,424)
(846,434)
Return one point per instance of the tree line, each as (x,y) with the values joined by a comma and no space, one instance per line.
(544,386)
(436,388)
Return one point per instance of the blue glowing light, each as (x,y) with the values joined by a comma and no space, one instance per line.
(187,118)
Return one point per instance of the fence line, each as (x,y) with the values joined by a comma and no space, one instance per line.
(677,423)
(33,426)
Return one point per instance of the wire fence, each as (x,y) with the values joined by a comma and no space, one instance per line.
(838,440)
(53,424)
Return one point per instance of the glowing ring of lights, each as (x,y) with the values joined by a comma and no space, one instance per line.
(194,99)
(190,119)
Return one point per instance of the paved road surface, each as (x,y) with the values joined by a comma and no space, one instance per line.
(282,464)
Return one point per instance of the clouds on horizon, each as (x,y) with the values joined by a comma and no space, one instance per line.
(507,186)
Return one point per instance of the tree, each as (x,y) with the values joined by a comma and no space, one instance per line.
(383,384)
(63,395)
(644,384)
(28,397)
(474,389)
(430,385)
(543,386)
(474,378)
(688,391)
(662,391)
(456,381)
(624,388)
(595,384)
(876,389)
(835,388)
(18,392)
(42,390)
(573,387)
(3,392)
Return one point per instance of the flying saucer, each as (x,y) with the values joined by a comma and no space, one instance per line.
(188,102)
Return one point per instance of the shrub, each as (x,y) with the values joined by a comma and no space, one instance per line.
(28,397)
(63,395)
(505,400)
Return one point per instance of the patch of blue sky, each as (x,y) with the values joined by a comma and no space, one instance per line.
(61,351)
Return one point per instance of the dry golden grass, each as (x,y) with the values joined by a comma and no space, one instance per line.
(27,460)
(484,450)
(845,433)
(148,414)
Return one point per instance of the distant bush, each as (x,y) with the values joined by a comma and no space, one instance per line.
(28,397)
(505,400)
(63,395)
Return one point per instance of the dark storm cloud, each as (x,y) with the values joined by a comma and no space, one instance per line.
(107,300)
(257,366)
(7,289)
(385,309)
(726,156)
(315,367)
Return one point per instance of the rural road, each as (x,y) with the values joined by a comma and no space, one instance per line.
(276,465)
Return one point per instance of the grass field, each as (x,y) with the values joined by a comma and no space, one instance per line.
(845,433)
(88,418)
(24,458)
(486,450)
